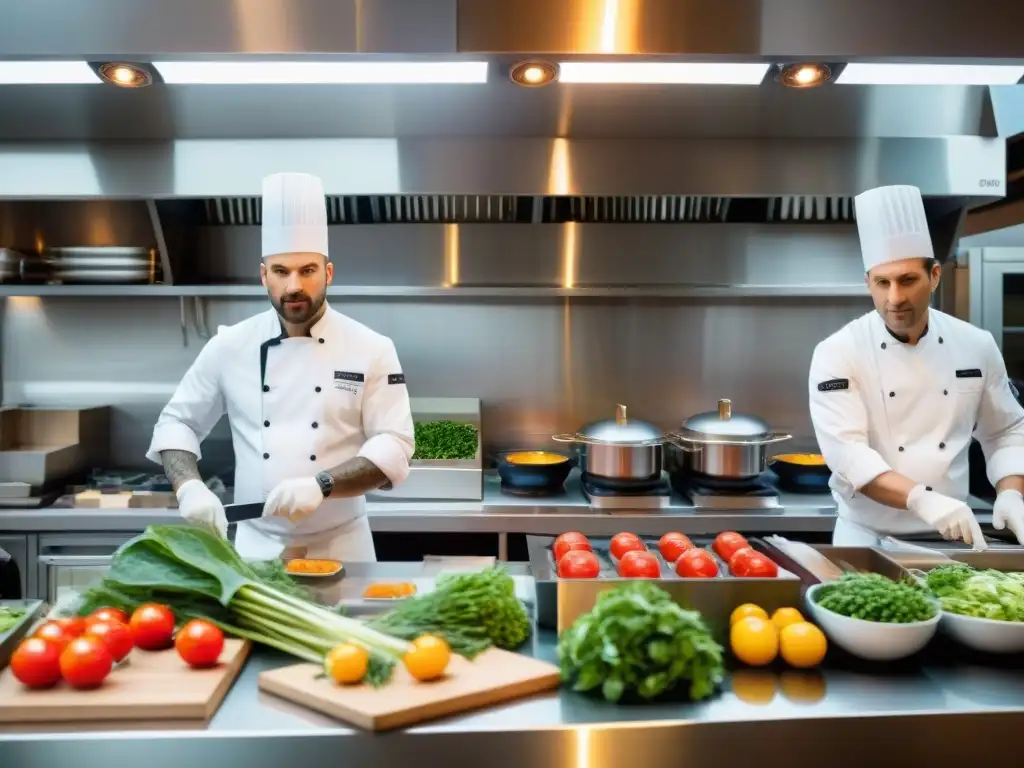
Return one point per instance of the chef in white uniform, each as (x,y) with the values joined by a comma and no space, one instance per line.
(317,402)
(896,395)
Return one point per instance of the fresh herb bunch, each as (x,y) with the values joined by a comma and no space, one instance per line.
(987,594)
(873,597)
(445,440)
(471,611)
(637,639)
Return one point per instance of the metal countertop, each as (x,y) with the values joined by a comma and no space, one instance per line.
(946,708)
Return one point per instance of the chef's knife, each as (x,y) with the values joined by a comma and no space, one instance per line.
(236,513)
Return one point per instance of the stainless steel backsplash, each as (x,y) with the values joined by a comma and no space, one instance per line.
(540,365)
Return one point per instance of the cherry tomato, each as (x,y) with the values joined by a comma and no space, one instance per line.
(73,626)
(428,658)
(115,635)
(109,614)
(346,663)
(639,564)
(52,632)
(727,543)
(579,564)
(568,541)
(696,564)
(86,662)
(739,562)
(36,663)
(199,643)
(672,545)
(761,567)
(625,542)
(152,627)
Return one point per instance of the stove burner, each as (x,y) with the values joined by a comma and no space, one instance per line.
(531,492)
(595,485)
(702,485)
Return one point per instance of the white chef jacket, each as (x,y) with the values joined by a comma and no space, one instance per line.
(880,405)
(296,406)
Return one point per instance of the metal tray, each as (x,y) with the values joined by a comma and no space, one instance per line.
(561,601)
(859,558)
(1011,560)
(10,639)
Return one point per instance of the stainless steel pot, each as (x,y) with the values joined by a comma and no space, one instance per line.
(619,448)
(725,445)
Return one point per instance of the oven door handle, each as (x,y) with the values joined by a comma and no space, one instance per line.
(73,560)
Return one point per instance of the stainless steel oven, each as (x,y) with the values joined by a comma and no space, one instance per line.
(74,561)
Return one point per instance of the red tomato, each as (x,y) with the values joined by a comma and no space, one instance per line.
(109,614)
(152,627)
(639,564)
(73,626)
(52,632)
(761,567)
(579,564)
(86,662)
(199,643)
(115,635)
(625,542)
(739,562)
(36,663)
(696,564)
(569,541)
(727,543)
(672,545)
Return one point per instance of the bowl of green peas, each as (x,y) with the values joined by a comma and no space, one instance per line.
(873,617)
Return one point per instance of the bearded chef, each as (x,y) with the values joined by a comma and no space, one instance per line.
(896,395)
(317,402)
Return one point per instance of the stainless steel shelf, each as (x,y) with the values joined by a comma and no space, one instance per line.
(398,291)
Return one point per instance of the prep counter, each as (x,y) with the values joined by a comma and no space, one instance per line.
(947,707)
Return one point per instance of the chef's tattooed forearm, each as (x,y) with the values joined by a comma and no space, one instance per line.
(180,466)
(355,477)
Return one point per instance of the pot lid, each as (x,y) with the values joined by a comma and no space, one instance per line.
(621,430)
(724,424)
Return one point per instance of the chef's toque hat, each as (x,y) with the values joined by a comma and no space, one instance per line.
(294,214)
(892,225)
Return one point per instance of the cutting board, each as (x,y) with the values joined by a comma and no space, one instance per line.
(151,686)
(493,677)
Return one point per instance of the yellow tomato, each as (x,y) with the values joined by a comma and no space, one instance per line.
(783,617)
(754,641)
(746,610)
(346,663)
(428,659)
(802,645)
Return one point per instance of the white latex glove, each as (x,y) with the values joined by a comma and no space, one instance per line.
(198,504)
(1009,511)
(952,518)
(294,499)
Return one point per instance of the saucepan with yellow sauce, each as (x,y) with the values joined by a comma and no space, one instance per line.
(801,470)
(534,470)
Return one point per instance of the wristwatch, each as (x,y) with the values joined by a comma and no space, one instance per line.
(326,483)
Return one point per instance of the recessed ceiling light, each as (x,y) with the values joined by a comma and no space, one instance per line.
(930,74)
(533,74)
(46,73)
(125,75)
(804,75)
(669,73)
(320,72)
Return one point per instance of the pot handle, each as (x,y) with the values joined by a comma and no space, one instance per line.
(682,443)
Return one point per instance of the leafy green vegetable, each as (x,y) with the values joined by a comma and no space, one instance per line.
(471,611)
(273,574)
(987,594)
(9,617)
(445,440)
(637,639)
(873,597)
(199,575)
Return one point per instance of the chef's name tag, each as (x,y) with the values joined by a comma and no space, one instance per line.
(348,381)
(396,378)
(969,373)
(833,385)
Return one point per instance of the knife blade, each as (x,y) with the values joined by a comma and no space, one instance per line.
(236,513)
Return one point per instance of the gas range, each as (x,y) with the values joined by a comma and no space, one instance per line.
(606,494)
(717,494)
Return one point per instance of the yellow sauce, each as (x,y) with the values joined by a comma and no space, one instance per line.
(535,457)
(804,459)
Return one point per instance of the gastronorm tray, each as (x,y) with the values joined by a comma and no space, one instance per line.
(857,558)
(561,601)
(999,559)
(9,640)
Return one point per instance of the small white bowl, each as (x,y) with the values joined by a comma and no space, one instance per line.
(987,635)
(872,640)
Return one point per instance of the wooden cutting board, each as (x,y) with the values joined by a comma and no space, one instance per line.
(151,686)
(494,676)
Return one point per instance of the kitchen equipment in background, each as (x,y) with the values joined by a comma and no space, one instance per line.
(724,445)
(10,265)
(618,449)
(801,471)
(74,562)
(101,265)
(533,472)
(714,493)
(41,445)
(606,493)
